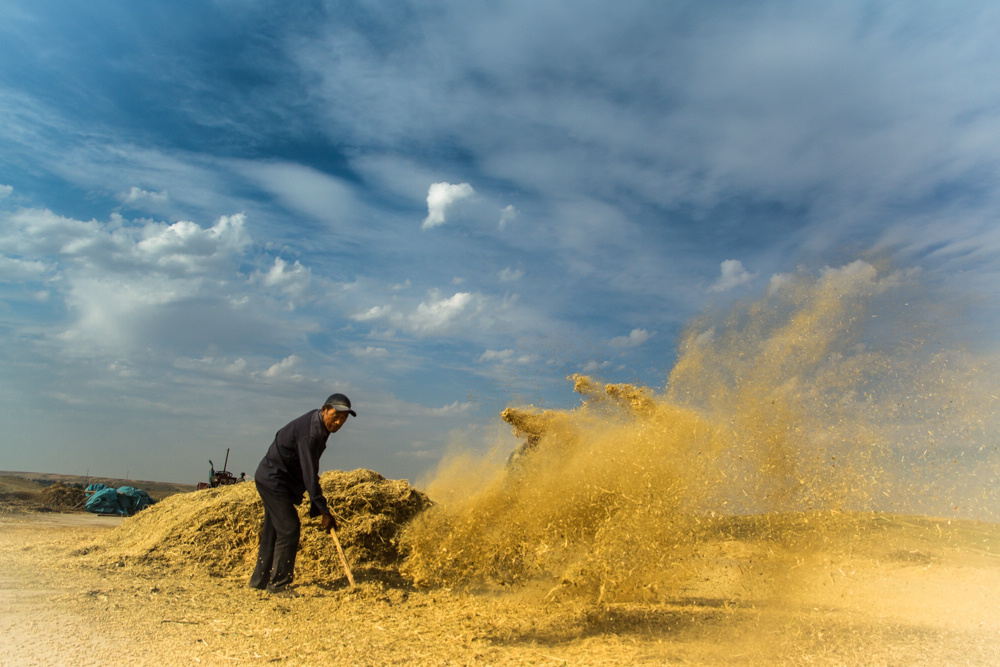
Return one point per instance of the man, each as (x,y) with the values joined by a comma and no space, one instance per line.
(289,469)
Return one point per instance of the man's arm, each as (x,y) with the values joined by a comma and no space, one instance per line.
(309,453)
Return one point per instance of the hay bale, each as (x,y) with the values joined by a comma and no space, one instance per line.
(62,497)
(216,531)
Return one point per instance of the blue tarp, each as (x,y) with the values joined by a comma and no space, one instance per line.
(133,499)
(124,500)
(104,501)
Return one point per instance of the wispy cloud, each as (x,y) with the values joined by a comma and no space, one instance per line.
(506,357)
(14,269)
(593,366)
(493,356)
(510,275)
(303,189)
(617,155)
(456,408)
(137,194)
(507,215)
(369,351)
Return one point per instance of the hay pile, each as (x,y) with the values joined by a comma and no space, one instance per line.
(216,531)
(60,496)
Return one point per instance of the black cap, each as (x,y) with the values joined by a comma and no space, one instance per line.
(340,403)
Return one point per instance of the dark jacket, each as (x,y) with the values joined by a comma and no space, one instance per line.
(292,461)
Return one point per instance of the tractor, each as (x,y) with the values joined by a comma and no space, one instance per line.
(218,478)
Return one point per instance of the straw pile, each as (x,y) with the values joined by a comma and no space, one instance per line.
(216,531)
(60,496)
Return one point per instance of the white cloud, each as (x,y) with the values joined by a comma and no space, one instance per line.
(507,215)
(283,369)
(110,311)
(507,363)
(373,313)
(500,358)
(292,281)
(778,281)
(438,313)
(858,271)
(147,286)
(861,277)
(14,269)
(240,370)
(509,275)
(137,194)
(6,191)
(187,246)
(635,338)
(441,197)
(181,248)
(733,275)
(435,315)
(452,410)
(593,366)
(42,232)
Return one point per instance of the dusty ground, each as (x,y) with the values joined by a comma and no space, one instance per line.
(908,600)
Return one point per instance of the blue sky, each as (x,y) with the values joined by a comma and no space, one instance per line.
(214,214)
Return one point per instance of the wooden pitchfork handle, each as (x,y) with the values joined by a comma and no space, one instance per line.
(343,558)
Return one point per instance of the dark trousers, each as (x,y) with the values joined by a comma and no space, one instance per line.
(279,540)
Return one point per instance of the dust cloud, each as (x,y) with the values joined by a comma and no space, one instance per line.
(789,425)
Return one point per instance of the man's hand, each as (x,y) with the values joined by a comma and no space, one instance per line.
(329,523)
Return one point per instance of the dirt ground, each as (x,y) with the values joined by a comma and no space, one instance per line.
(907,600)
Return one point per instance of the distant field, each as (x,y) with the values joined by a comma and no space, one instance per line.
(33,482)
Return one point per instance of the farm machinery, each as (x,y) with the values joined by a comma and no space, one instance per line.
(222,477)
